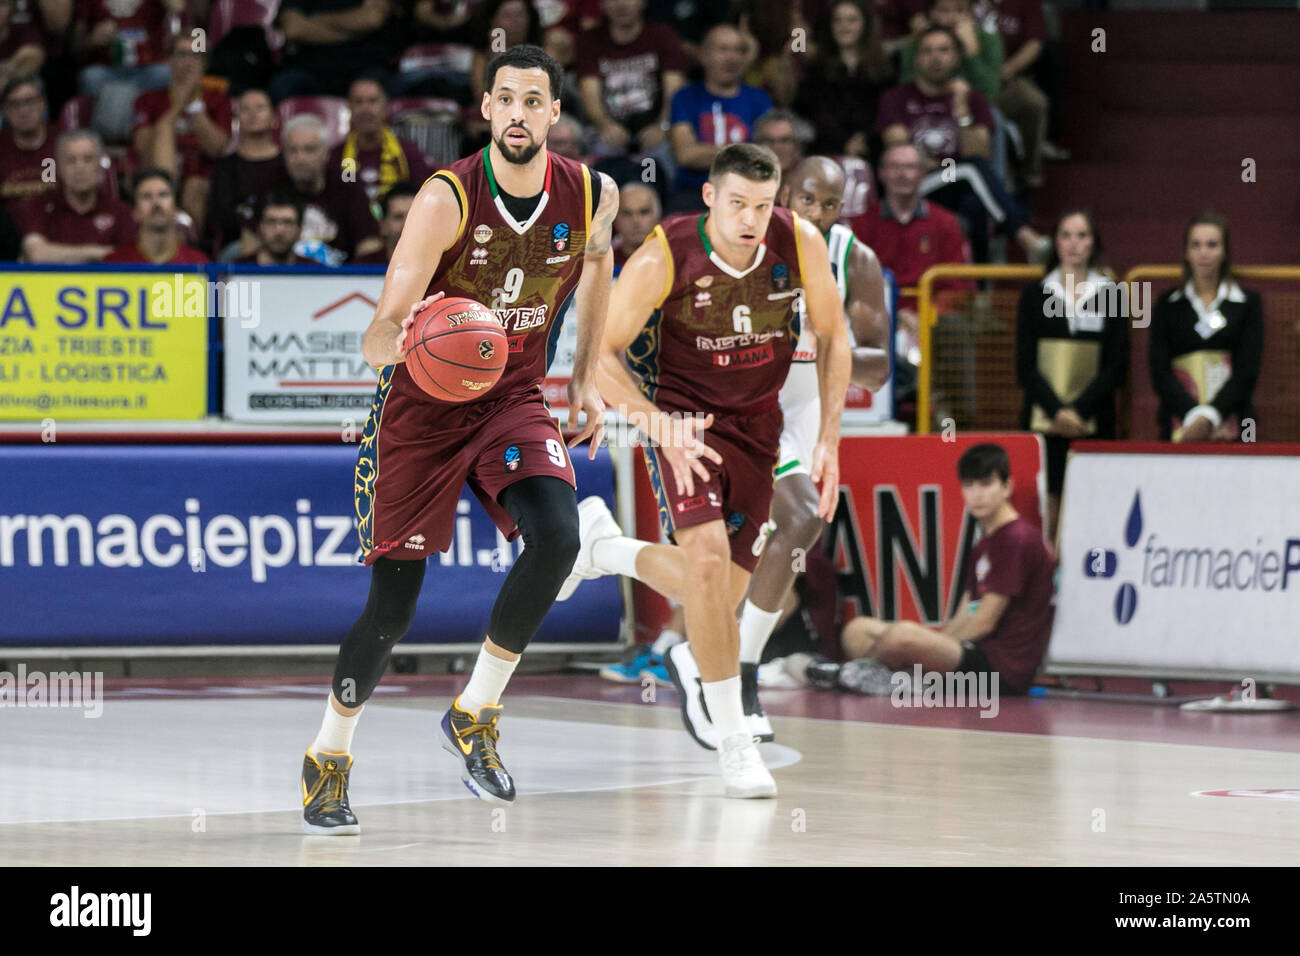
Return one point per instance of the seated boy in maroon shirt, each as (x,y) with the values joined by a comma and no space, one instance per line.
(1005,616)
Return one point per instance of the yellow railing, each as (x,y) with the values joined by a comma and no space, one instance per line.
(927,316)
(1276,273)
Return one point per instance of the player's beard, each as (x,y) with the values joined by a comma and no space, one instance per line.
(517,155)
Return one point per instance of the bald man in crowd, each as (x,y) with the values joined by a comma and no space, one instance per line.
(639,212)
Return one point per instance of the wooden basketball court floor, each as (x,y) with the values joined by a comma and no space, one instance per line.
(205,772)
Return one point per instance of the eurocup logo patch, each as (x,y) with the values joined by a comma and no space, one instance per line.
(780,277)
(512,458)
(560,236)
(1104,563)
(735,521)
(485,350)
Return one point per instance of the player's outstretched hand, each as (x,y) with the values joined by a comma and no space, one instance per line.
(584,397)
(826,474)
(416,309)
(681,444)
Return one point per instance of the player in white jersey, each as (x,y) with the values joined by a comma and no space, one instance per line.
(815,192)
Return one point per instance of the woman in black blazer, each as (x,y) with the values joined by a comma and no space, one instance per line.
(1071,349)
(1207,337)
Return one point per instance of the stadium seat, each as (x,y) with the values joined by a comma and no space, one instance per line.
(332,110)
(229,15)
(427,57)
(432,125)
(76,113)
(857,186)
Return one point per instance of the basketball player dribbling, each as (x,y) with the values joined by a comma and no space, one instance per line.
(522,230)
(705,311)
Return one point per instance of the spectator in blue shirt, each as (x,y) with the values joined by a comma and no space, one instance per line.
(707,116)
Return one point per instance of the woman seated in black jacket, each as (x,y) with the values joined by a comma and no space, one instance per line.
(1071,349)
(1207,337)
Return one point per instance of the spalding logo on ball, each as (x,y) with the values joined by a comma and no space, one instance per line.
(452,349)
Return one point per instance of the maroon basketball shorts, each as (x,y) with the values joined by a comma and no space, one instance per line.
(738,492)
(415,457)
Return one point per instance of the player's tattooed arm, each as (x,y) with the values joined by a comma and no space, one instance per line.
(591,300)
(436,215)
(868,318)
(602,223)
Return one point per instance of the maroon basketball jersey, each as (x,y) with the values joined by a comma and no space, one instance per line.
(721,340)
(525,272)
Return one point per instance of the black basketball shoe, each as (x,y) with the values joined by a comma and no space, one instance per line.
(473,739)
(325,810)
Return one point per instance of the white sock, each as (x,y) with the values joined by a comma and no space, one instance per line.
(665,640)
(756,626)
(487,682)
(617,555)
(336,731)
(722,697)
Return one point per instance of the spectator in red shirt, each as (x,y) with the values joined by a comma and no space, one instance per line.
(372,157)
(124,43)
(639,212)
(279,225)
(21,49)
(628,71)
(952,125)
(396,203)
(26,143)
(159,240)
(909,235)
(183,128)
(78,222)
(1004,620)
(337,223)
(242,179)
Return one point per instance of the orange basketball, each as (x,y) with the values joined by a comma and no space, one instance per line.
(456,350)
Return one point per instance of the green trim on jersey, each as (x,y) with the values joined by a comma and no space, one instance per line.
(708,246)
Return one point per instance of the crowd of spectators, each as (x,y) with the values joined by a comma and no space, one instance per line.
(652,90)
(153,131)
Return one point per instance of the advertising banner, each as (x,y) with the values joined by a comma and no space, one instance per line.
(1180,565)
(128,345)
(299,359)
(133,545)
(901,536)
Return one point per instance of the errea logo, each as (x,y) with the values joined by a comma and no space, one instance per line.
(415,542)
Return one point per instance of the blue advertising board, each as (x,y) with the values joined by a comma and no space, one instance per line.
(134,545)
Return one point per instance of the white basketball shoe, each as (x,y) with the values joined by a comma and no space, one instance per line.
(595,523)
